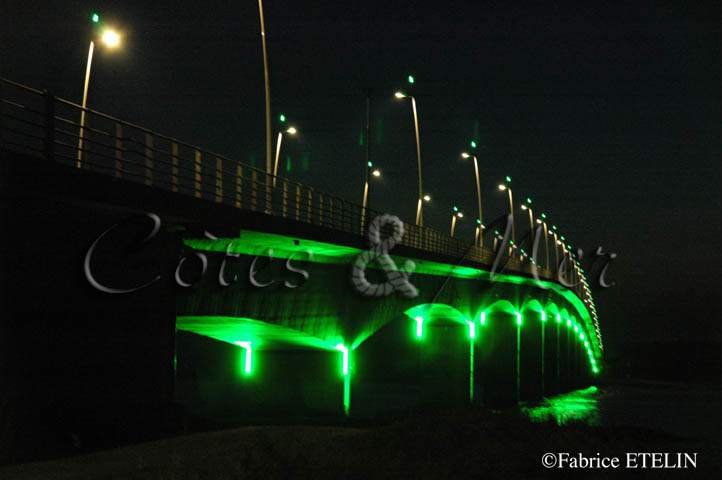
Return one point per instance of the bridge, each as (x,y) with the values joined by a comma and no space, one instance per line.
(241,297)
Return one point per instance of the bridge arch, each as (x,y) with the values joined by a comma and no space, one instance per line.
(435,312)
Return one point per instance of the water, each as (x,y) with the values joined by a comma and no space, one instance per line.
(684,410)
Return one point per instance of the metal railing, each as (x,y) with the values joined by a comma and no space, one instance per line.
(37,122)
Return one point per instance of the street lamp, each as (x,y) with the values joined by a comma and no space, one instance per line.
(527,206)
(427,198)
(268,107)
(507,186)
(111,39)
(480,227)
(454,216)
(419,209)
(478,191)
(543,222)
(376,173)
(290,131)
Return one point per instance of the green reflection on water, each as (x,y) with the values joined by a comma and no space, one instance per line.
(577,406)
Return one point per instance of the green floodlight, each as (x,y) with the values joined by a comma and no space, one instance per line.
(419,326)
(344,350)
(411,79)
(544,215)
(456,209)
(282,118)
(472,329)
(508,179)
(95,18)
(518,318)
(528,200)
(482,318)
(478,222)
(473,144)
(247,363)
(554,227)
(370,164)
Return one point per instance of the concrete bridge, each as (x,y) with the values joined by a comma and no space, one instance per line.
(240,301)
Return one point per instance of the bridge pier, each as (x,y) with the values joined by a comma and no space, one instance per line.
(532,361)
(497,365)
(551,357)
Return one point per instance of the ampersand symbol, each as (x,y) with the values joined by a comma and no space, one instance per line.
(396,280)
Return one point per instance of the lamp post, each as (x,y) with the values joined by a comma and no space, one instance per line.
(479,230)
(454,216)
(507,186)
(290,131)
(375,173)
(268,108)
(543,222)
(556,242)
(480,241)
(527,206)
(111,39)
(419,209)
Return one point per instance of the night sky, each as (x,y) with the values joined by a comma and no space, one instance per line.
(609,119)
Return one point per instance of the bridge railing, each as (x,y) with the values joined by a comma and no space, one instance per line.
(35,121)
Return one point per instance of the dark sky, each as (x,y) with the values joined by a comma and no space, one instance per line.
(610,119)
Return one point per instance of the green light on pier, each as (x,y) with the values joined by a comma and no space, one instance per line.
(248,356)
(344,350)
(419,326)
(472,329)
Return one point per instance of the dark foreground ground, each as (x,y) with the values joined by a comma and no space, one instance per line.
(434,443)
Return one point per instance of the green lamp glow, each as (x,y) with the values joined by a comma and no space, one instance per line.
(341,348)
(95,17)
(419,326)
(247,364)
